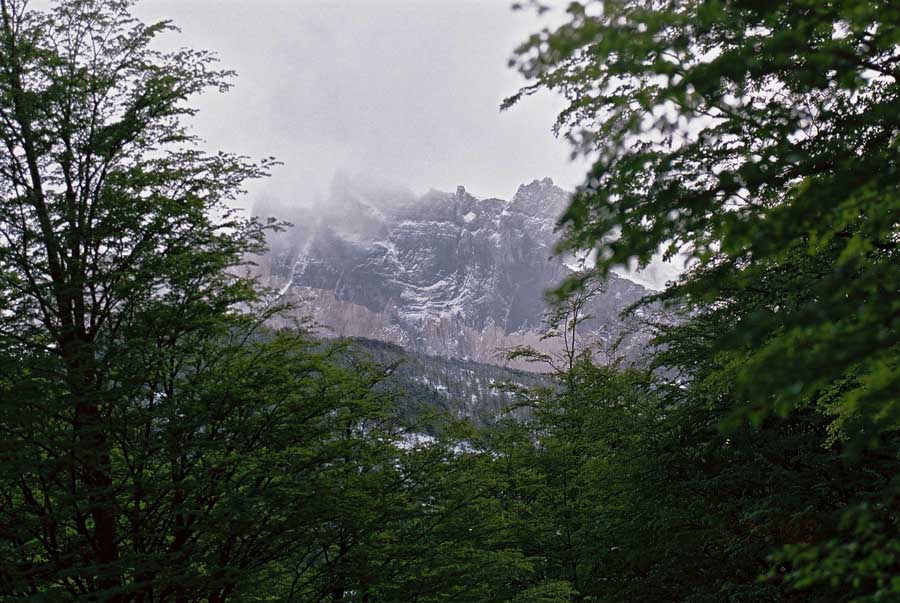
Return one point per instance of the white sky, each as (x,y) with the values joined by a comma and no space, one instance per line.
(405,91)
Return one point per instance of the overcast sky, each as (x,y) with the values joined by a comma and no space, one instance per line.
(406,91)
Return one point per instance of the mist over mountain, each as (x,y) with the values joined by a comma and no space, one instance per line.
(443,273)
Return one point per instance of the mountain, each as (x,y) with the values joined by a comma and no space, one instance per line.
(420,384)
(443,274)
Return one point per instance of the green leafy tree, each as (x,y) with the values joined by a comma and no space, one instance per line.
(591,444)
(759,140)
(573,464)
(158,444)
(739,502)
(737,133)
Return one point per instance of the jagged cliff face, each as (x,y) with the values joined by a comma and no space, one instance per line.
(445,273)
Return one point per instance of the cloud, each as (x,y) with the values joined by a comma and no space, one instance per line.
(405,91)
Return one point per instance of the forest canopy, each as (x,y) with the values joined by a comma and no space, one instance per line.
(161,441)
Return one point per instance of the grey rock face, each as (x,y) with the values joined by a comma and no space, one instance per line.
(444,273)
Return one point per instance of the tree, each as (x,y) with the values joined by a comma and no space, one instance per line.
(564,323)
(158,443)
(759,140)
(736,499)
(575,465)
(738,133)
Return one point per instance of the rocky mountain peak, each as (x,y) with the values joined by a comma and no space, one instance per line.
(442,273)
(540,198)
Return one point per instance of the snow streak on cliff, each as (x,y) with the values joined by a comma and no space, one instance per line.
(442,273)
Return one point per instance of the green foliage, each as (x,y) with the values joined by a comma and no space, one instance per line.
(741,134)
(566,475)
(157,443)
(862,559)
(759,140)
